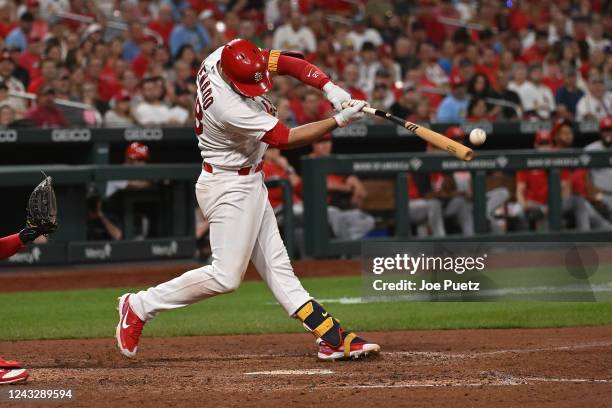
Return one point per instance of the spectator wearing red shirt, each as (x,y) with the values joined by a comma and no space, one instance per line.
(46,113)
(30,58)
(108,86)
(554,77)
(489,66)
(538,51)
(48,73)
(314,108)
(351,77)
(416,77)
(141,62)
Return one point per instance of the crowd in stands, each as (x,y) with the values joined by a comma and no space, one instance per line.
(112,63)
(133,62)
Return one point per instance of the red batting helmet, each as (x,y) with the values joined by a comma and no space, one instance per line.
(455,132)
(246,67)
(137,151)
(542,137)
(605,123)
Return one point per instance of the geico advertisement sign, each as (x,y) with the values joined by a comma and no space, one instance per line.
(136,134)
(71,135)
(8,136)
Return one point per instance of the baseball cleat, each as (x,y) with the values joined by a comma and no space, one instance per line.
(355,349)
(11,372)
(128,329)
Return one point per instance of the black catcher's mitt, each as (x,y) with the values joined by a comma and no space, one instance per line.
(41,213)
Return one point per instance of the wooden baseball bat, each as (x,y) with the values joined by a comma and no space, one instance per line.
(456,149)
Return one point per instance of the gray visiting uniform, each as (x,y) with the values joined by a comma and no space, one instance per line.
(602,178)
(585,215)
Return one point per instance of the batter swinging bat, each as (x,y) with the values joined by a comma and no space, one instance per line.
(456,149)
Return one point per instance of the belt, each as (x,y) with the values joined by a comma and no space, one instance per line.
(244,171)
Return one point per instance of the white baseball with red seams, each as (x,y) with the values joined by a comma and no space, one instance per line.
(242,223)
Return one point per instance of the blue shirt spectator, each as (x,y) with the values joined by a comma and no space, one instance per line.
(189,32)
(569,98)
(569,94)
(453,108)
(177,7)
(130,50)
(17,38)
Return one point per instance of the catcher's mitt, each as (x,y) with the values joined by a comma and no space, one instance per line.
(41,213)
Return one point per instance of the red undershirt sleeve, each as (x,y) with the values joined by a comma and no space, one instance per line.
(10,245)
(304,71)
(278,136)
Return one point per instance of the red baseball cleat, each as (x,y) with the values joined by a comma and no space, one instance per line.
(129,328)
(352,347)
(11,372)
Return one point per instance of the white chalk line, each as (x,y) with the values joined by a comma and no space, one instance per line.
(477,354)
(314,371)
(510,381)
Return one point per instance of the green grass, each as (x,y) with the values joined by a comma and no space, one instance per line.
(251,309)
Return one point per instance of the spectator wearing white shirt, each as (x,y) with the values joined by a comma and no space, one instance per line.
(597,102)
(369,64)
(536,98)
(151,111)
(361,34)
(295,36)
(120,116)
(596,39)
(544,99)
(7,66)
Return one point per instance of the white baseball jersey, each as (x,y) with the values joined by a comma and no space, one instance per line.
(242,223)
(229,126)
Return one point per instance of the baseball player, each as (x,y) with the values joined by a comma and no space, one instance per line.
(235,124)
(41,219)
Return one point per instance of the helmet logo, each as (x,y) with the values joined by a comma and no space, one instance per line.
(258,76)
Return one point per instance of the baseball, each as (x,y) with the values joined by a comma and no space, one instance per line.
(478,136)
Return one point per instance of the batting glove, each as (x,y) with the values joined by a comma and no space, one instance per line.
(351,113)
(336,95)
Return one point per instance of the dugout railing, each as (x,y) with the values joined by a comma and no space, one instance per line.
(319,243)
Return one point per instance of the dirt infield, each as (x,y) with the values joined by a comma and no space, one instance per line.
(532,368)
(538,367)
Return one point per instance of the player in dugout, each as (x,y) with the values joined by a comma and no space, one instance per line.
(41,220)
(235,124)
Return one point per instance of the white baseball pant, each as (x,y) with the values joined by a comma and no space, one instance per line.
(242,228)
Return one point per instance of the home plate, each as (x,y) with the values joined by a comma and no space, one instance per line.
(314,371)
